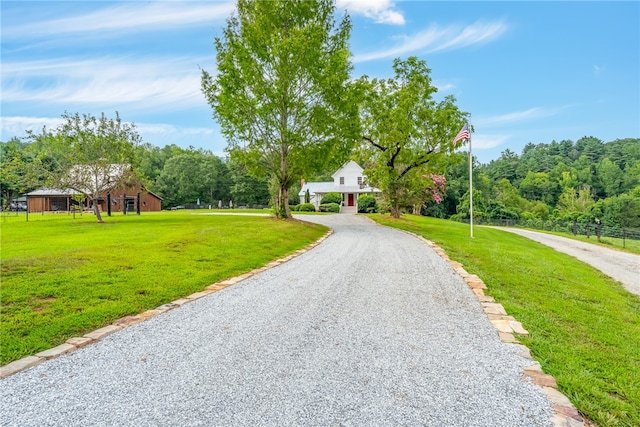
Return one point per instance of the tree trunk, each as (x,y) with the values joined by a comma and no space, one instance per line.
(282,203)
(96,210)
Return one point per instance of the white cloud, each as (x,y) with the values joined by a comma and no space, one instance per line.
(165,129)
(108,82)
(130,16)
(444,87)
(435,38)
(517,116)
(483,141)
(381,11)
(19,125)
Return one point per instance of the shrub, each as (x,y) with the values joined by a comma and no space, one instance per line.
(331,198)
(367,204)
(294,208)
(330,207)
(306,207)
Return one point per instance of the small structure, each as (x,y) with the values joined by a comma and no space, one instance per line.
(131,196)
(349,181)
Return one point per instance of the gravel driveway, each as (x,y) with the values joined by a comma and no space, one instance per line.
(370,328)
(621,266)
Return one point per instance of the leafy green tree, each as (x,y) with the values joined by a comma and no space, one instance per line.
(21,169)
(611,177)
(504,167)
(591,147)
(573,204)
(191,176)
(506,194)
(623,210)
(538,186)
(407,134)
(631,178)
(281,92)
(150,160)
(95,154)
(246,189)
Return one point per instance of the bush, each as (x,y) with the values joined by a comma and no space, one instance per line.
(330,207)
(306,207)
(367,204)
(294,208)
(331,198)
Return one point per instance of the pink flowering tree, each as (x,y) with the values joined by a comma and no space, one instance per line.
(407,134)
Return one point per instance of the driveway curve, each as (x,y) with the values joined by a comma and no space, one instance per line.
(621,266)
(371,327)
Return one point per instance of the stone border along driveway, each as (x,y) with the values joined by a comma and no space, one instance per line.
(565,414)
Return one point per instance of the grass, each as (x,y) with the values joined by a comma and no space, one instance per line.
(628,245)
(61,279)
(584,327)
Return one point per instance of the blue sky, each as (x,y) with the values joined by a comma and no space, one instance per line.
(526,71)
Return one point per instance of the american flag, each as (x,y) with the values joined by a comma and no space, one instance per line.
(463,134)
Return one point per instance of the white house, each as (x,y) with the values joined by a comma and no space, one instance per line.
(348,181)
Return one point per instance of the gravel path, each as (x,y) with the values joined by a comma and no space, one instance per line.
(369,328)
(621,266)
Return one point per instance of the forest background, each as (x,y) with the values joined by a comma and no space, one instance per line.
(585,181)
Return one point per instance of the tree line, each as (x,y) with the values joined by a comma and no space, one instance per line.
(584,181)
(181,176)
(290,109)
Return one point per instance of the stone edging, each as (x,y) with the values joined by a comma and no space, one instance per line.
(124,322)
(564,413)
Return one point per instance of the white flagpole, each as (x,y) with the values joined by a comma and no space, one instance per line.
(470,186)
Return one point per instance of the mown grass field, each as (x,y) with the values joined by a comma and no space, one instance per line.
(626,245)
(63,278)
(584,327)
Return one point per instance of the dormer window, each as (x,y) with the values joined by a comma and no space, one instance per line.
(342,180)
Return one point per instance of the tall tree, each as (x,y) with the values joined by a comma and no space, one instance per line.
(95,154)
(281,93)
(193,175)
(406,132)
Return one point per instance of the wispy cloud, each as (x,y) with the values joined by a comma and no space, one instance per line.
(107,81)
(166,129)
(130,16)
(381,11)
(483,141)
(436,38)
(19,125)
(517,116)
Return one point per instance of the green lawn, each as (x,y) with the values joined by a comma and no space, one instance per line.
(64,278)
(584,327)
(627,245)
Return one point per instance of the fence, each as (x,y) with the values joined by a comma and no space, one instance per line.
(22,216)
(595,230)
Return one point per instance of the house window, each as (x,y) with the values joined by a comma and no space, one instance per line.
(342,180)
(359,180)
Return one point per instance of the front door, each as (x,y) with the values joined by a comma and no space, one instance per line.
(350,199)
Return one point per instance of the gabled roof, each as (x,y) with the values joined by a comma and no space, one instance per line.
(350,164)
